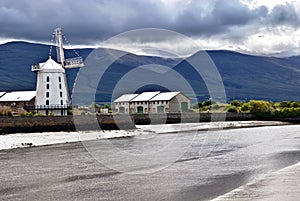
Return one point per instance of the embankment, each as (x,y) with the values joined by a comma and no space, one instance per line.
(108,121)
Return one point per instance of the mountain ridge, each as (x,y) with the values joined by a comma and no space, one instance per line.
(245,76)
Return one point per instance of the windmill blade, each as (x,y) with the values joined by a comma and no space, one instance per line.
(74,62)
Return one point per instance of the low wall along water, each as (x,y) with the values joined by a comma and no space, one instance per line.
(26,124)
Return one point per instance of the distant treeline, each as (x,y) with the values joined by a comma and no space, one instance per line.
(260,108)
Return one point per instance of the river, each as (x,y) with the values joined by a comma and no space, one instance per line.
(260,163)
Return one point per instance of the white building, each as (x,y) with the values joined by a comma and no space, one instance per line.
(141,104)
(18,100)
(121,104)
(169,102)
(152,102)
(51,89)
(2,93)
(52,92)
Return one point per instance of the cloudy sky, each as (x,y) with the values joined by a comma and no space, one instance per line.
(263,27)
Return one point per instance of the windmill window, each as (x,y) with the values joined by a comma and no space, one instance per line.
(61,94)
(47,94)
(61,102)
(48,86)
(47,102)
(59,79)
(59,86)
(48,79)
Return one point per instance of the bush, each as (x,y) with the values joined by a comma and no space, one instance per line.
(208,103)
(9,113)
(38,114)
(294,104)
(26,114)
(232,109)
(5,111)
(262,108)
(236,103)
(245,107)
(289,112)
(284,104)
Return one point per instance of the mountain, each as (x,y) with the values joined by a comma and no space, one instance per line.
(244,76)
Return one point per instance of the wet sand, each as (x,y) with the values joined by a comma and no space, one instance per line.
(18,140)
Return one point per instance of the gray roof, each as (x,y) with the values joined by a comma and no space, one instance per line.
(145,96)
(165,96)
(18,96)
(126,98)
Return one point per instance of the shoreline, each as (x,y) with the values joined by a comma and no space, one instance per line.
(277,185)
(23,140)
(30,124)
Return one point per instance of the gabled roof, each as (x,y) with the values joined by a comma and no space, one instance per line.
(145,96)
(18,96)
(165,96)
(126,98)
(50,64)
(2,93)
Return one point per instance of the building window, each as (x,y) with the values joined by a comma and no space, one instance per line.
(60,94)
(47,94)
(59,86)
(47,102)
(61,102)
(59,79)
(48,86)
(48,79)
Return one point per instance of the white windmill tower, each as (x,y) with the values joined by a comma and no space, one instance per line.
(51,87)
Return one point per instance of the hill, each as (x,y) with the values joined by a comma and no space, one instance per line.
(245,77)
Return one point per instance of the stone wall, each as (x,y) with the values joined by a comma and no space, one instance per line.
(108,121)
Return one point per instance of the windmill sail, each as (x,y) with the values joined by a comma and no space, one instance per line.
(66,63)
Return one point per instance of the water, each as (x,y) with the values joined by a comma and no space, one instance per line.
(215,163)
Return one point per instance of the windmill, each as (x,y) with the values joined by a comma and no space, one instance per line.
(51,88)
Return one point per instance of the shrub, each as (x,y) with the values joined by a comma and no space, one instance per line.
(38,114)
(232,109)
(26,114)
(9,113)
(289,112)
(262,108)
(245,107)
(284,104)
(236,103)
(5,111)
(294,104)
(208,103)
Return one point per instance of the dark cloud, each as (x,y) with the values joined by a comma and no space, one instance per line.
(284,14)
(222,16)
(88,21)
